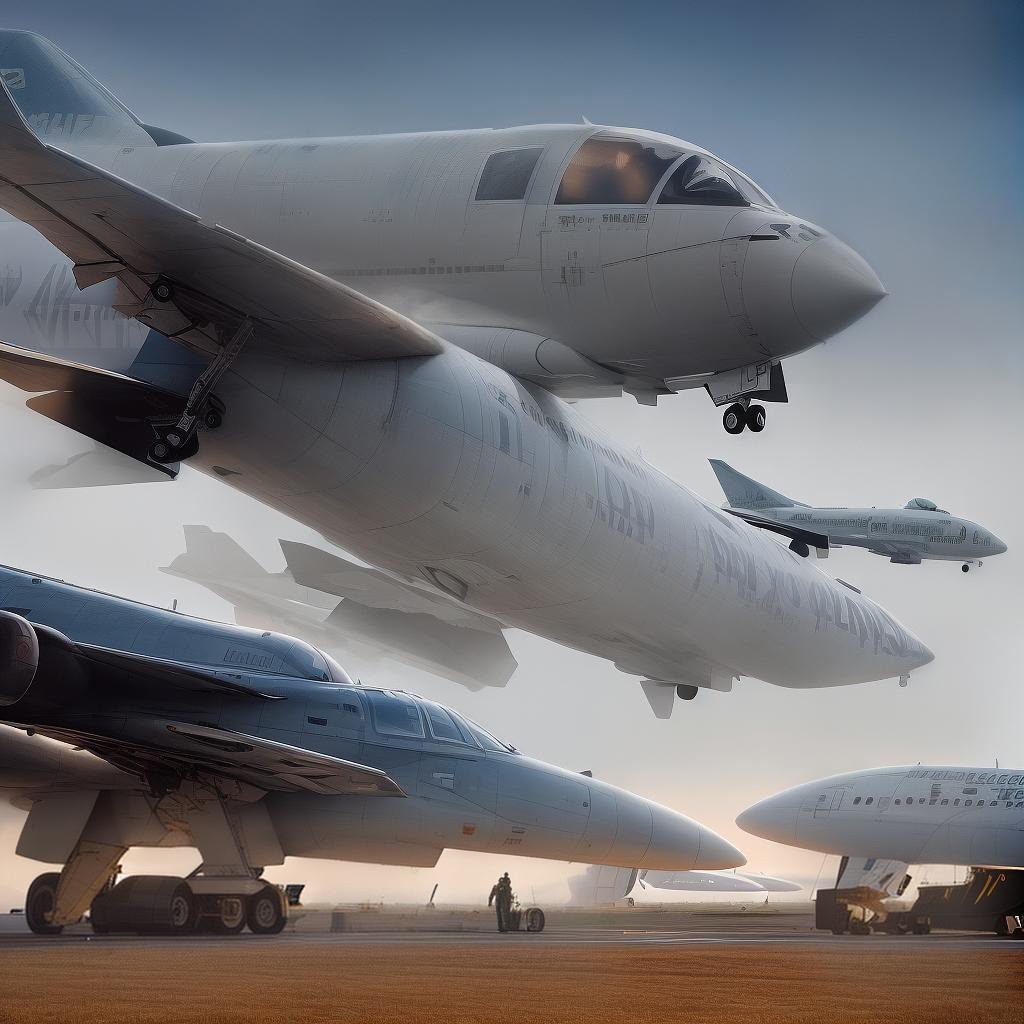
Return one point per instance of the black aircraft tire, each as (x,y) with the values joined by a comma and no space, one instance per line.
(755,418)
(734,419)
(264,911)
(41,899)
(534,918)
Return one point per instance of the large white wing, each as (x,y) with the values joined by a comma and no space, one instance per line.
(109,228)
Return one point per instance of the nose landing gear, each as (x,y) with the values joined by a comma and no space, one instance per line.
(742,415)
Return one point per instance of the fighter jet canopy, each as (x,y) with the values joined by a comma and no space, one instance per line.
(925,505)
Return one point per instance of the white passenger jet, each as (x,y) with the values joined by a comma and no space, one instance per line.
(907,536)
(375,336)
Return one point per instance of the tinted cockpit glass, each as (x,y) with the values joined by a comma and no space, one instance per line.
(395,714)
(610,171)
(506,175)
(924,505)
(443,726)
(485,739)
(337,673)
(701,181)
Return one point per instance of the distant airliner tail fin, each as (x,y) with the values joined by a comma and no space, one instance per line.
(62,103)
(743,492)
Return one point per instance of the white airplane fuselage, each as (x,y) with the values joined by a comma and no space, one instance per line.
(918,815)
(901,534)
(451,469)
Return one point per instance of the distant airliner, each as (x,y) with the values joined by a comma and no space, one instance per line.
(920,530)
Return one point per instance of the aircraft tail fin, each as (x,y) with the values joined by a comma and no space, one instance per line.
(744,492)
(63,103)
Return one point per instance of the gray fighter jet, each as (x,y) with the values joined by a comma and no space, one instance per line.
(144,727)
(905,535)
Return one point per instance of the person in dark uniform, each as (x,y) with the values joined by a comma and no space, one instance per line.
(501,897)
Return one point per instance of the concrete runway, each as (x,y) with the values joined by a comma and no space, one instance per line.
(737,932)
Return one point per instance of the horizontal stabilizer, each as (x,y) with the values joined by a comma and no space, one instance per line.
(212,555)
(744,492)
(105,406)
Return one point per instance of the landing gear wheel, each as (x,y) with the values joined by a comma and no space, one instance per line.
(860,928)
(230,918)
(734,419)
(212,419)
(534,919)
(40,901)
(264,912)
(181,911)
(162,291)
(755,418)
(965,567)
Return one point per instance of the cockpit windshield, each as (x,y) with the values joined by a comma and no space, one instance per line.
(925,505)
(609,171)
(702,181)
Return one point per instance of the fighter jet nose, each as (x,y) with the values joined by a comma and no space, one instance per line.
(774,818)
(832,287)
(716,853)
(679,843)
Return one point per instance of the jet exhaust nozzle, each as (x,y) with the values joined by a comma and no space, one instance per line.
(19,657)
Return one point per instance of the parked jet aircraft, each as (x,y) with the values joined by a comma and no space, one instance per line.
(917,815)
(413,453)
(601,885)
(418,626)
(252,747)
(905,535)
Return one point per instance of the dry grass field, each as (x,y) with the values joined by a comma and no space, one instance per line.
(317,984)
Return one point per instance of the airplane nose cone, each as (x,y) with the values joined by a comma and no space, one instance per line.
(716,853)
(997,546)
(774,818)
(679,843)
(832,287)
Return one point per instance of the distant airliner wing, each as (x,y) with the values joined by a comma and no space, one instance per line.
(109,228)
(795,533)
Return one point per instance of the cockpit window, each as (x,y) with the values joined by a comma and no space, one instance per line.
(925,505)
(485,739)
(506,175)
(612,171)
(443,726)
(336,672)
(394,713)
(702,181)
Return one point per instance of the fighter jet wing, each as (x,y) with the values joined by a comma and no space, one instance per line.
(795,533)
(111,228)
(108,407)
(151,745)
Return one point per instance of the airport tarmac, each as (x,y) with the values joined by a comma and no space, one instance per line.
(582,977)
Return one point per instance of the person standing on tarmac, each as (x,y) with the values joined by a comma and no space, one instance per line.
(501,897)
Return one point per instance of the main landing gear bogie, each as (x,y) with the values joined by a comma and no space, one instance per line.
(163,905)
(739,417)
